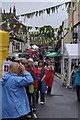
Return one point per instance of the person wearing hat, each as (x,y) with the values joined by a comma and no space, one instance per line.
(31,89)
(49,76)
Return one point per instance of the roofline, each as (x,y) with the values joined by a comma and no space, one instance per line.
(16,39)
(76,24)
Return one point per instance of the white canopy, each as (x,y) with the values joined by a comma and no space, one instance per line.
(35,47)
(72,51)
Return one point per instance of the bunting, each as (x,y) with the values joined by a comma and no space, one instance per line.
(49,11)
(44,29)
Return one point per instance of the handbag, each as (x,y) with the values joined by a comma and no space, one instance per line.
(44,87)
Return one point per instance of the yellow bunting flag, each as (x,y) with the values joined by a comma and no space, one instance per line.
(20,26)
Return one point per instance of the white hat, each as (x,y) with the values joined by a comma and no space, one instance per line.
(30,59)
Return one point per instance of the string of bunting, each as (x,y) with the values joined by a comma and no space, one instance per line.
(47,31)
(43,29)
(49,11)
(38,42)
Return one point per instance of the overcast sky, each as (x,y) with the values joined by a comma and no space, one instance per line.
(55,19)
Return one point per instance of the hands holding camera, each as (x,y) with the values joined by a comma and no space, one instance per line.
(22,67)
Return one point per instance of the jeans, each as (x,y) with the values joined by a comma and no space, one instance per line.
(42,95)
(78,92)
(49,90)
(31,98)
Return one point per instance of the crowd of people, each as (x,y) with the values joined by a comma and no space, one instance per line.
(24,86)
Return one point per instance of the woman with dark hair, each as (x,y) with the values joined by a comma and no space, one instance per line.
(49,76)
(41,77)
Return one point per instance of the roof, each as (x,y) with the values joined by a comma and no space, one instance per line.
(76,24)
(17,39)
(72,51)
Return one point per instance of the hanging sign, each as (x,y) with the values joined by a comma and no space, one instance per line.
(5,68)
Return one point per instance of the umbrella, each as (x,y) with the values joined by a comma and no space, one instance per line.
(53,54)
(25,53)
(30,51)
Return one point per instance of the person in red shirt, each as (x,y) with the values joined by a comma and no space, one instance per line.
(49,76)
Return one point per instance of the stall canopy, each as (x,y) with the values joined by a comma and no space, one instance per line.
(23,54)
(53,54)
(72,51)
(30,51)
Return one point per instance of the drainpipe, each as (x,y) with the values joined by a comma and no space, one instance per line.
(62,52)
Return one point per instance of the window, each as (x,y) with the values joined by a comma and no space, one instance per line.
(17,46)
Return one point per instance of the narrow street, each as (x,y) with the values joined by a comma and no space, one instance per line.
(61,104)
(39,40)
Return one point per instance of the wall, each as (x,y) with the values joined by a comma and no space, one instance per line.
(73,18)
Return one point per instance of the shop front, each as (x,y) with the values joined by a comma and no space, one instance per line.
(4,47)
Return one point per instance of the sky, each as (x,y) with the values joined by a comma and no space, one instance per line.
(54,20)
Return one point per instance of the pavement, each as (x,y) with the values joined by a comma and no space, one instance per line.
(62,103)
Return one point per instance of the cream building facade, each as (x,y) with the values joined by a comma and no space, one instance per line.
(73,22)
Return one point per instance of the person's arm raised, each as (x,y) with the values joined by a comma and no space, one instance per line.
(25,80)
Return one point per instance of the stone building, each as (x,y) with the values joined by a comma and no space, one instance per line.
(73,35)
(17,31)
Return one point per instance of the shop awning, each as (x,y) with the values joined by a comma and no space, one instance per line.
(30,51)
(72,51)
(25,54)
(53,54)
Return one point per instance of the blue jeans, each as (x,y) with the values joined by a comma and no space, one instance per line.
(42,95)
